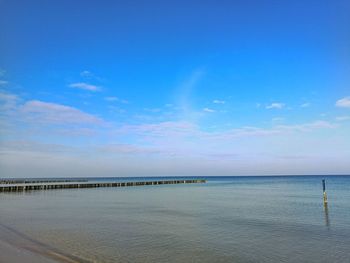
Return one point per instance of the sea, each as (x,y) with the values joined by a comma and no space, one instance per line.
(242,219)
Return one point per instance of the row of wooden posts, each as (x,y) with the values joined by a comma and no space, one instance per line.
(34,181)
(47,186)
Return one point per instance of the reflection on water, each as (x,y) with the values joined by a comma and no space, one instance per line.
(226,220)
(326,215)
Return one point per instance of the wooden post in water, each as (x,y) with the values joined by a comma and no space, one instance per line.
(325,200)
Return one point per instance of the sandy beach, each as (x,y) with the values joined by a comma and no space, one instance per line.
(16,246)
(14,254)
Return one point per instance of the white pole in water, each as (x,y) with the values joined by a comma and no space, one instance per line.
(325,200)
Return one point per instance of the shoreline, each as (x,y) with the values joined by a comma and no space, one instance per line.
(10,253)
(16,246)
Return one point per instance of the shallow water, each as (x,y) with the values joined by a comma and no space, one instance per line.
(228,219)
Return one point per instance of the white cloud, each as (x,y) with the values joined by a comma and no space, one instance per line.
(33,146)
(116,99)
(121,148)
(275,105)
(111,98)
(116,109)
(307,126)
(305,105)
(45,112)
(3,82)
(85,86)
(86,74)
(208,110)
(262,132)
(277,119)
(183,130)
(342,118)
(178,147)
(8,101)
(162,129)
(184,93)
(219,101)
(154,110)
(343,103)
(8,97)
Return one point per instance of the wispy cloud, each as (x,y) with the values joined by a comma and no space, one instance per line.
(219,101)
(161,129)
(122,148)
(86,74)
(34,146)
(343,103)
(275,105)
(153,110)
(115,109)
(8,97)
(181,139)
(116,99)
(342,118)
(8,101)
(181,129)
(184,95)
(306,127)
(277,119)
(3,82)
(85,86)
(46,112)
(2,72)
(305,105)
(208,110)
(282,130)
(176,145)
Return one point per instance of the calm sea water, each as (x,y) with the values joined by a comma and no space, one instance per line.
(228,219)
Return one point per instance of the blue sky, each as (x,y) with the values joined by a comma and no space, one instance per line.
(133,88)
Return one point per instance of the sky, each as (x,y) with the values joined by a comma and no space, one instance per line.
(188,88)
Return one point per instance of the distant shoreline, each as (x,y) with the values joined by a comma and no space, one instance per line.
(185,177)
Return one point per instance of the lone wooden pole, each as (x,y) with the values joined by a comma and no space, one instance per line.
(325,200)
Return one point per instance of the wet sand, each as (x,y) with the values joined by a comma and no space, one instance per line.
(18,247)
(9,253)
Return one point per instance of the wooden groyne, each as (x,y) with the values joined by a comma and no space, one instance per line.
(49,186)
(34,181)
